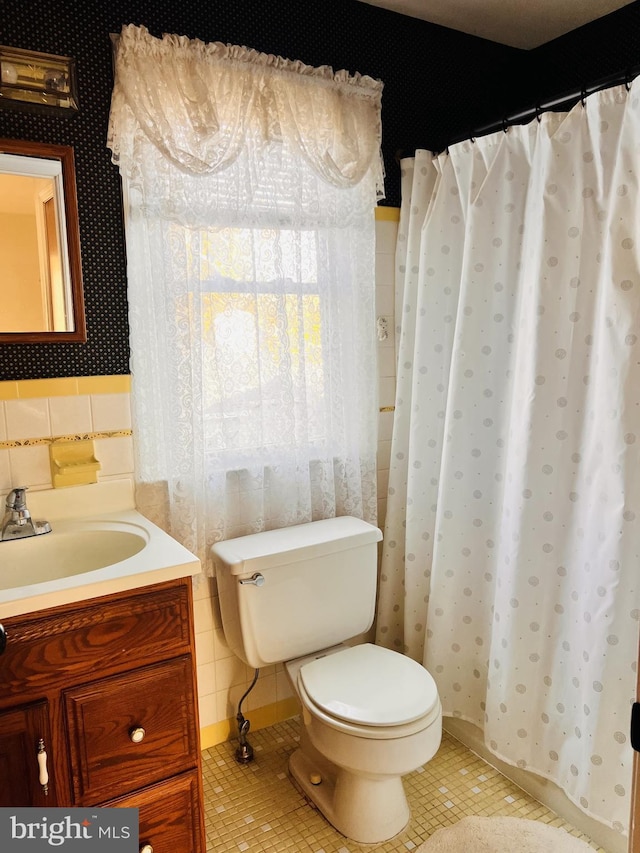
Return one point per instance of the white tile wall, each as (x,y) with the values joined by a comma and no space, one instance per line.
(30,466)
(386,234)
(27,418)
(110,412)
(115,455)
(264,693)
(5,471)
(71,415)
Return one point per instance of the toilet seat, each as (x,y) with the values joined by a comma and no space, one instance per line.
(369,691)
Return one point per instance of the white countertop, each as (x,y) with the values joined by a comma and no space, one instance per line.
(71,511)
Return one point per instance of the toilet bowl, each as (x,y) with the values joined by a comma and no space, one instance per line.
(370,716)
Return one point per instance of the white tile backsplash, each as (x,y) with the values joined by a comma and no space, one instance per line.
(49,417)
(5,471)
(70,415)
(30,466)
(27,418)
(115,455)
(110,412)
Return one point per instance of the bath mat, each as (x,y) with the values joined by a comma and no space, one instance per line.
(502,835)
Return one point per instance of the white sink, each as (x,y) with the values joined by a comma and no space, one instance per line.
(70,549)
(86,556)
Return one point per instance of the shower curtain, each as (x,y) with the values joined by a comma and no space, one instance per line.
(510,558)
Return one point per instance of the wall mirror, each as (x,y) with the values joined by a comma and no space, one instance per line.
(40,271)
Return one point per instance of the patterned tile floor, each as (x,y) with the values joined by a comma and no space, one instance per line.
(256,808)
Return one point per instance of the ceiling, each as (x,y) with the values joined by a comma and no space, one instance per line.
(518,23)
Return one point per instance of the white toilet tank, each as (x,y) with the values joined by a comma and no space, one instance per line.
(316,587)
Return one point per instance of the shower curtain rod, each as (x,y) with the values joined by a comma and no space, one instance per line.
(557,103)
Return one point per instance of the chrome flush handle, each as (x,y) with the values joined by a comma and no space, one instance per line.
(255,580)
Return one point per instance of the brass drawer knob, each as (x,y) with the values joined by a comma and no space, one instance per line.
(136,735)
(146,848)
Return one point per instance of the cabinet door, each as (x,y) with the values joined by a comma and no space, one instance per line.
(131,730)
(23,733)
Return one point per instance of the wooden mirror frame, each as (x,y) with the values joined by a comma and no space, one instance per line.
(64,154)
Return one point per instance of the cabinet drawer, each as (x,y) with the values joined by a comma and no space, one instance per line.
(68,645)
(156,703)
(170,816)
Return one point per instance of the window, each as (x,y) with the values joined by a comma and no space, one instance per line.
(250,241)
(261,315)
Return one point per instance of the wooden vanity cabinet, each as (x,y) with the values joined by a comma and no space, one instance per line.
(108,686)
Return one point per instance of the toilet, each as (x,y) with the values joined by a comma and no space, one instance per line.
(370,715)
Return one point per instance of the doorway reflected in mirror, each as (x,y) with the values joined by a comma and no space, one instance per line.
(40,271)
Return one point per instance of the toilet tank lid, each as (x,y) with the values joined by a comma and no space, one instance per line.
(370,685)
(289,544)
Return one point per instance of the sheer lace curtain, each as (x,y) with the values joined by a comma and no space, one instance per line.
(510,562)
(250,185)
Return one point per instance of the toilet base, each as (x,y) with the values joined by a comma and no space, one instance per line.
(367,809)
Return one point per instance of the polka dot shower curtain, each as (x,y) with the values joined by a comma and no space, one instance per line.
(510,564)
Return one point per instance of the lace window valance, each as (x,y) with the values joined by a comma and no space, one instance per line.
(201,104)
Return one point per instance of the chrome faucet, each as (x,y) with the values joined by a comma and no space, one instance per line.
(17,522)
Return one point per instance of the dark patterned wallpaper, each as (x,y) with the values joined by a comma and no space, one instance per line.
(439,84)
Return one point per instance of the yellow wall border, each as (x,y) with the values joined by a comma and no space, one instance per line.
(10,444)
(387,214)
(260,719)
(65,386)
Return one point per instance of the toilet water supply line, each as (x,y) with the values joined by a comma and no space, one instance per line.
(244,752)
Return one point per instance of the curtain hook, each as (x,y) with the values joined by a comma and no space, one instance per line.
(505,126)
(472,139)
(538,117)
(627,79)
(583,96)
